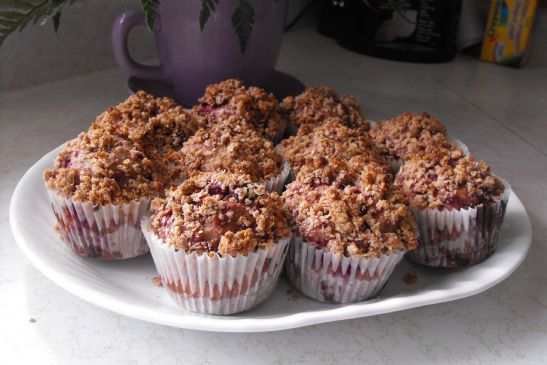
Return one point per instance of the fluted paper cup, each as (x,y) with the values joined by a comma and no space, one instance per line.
(111,231)
(332,278)
(461,237)
(215,284)
(277,183)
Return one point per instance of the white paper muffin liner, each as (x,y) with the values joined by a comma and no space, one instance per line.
(463,237)
(111,232)
(214,284)
(462,146)
(331,278)
(277,183)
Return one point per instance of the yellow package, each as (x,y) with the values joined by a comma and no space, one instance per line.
(508,31)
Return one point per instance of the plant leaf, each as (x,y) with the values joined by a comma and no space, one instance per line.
(16,4)
(242,21)
(149,8)
(20,13)
(207,8)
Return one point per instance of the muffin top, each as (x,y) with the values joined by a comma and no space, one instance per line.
(320,103)
(331,139)
(234,148)
(149,122)
(427,144)
(231,102)
(101,168)
(448,181)
(350,208)
(397,135)
(219,213)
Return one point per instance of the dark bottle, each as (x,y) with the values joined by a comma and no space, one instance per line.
(406,30)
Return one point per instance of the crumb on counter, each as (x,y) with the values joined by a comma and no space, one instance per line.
(410,278)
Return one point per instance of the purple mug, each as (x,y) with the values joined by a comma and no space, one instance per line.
(191,59)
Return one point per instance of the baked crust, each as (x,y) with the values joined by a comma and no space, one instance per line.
(318,104)
(331,139)
(233,148)
(407,133)
(219,213)
(350,208)
(440,180)
(231,102)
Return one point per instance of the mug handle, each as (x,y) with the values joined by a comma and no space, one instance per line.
(123,24)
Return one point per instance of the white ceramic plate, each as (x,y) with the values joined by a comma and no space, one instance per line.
(126,287)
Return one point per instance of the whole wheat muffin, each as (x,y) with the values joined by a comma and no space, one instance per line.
(331,139)
(350,208)
(441,180)
(235,148)
(219,213)
(318,104)
(403,135)
(231,102)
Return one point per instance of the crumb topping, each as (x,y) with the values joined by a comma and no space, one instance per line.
(233,148)
(331,139)
(403,135)
(320,103)
(149,122)
(350,208)
(448,181)
(231,102)
(101,168)
(219,213)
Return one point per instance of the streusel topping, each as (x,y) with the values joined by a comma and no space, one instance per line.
(395,135)
(219,213)
(448,181)
(232,148)
(319,103)
(331,139)
(148,122)
(231,102)
(350,208)
(101,168)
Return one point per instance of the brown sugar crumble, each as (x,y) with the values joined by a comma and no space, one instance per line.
(293,295)
(156,280)
(331,139)
(235,148)
(125,155)
(319,103)
(448,181)
(351,208)
(32,320)
(399,137)
(410,278)
(101,168)
(231,102)
(219,213)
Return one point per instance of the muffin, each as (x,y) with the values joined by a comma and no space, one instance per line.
(352,227)
(318,104)
(99,187)
(153,123)
(459,206)
(253,106)
(218,241)
(331,139)
(237,149)
(394,136)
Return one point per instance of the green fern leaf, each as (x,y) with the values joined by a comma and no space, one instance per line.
(207,8)
(150,8)
(242,21)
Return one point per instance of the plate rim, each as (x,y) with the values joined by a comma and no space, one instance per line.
(224,323)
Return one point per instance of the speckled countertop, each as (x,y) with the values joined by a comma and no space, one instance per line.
(499,112)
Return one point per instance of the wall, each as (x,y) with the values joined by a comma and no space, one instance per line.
(82,44)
